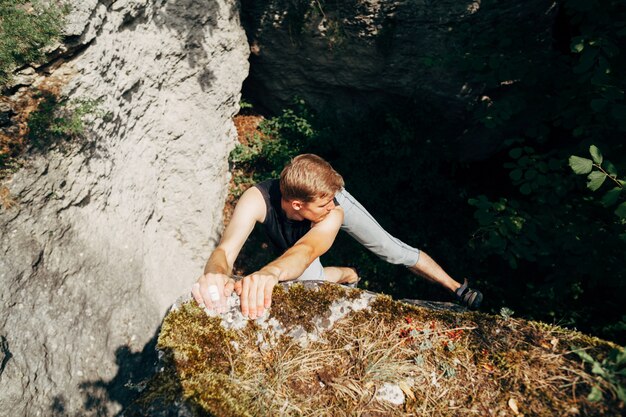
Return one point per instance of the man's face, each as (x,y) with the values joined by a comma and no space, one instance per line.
(317,209)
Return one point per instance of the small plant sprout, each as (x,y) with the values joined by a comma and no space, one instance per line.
(506,313)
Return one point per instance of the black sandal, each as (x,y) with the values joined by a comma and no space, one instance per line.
(468,297)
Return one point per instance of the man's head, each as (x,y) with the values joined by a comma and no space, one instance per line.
(308,177)
(308,183)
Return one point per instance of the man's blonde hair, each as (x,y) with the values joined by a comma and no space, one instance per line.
(308,177)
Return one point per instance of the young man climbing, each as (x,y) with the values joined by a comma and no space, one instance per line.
(302,214)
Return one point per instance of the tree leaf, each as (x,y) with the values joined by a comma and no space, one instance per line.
(621,210)
(516,174)
(554,164)
(598,370)
(620,357)
(515,153)
(578,132)
(583,355)
(598,104)
(580,165)
(610,168)
(530,174)
(525,189)
(596,178)
(595,154)
(611,92)
(618,111)
(621,392)
(578,47)
(611,197)
(587,59)
(595,394)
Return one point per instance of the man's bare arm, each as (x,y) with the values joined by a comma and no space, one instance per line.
(249,209)
(256,289)
(315,243)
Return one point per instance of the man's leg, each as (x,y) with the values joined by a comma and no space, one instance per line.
(426,267)
(340,275)
(337,274)
(360,224)
(315,272)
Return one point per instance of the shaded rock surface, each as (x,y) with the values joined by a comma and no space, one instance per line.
(104,234)
(361,54)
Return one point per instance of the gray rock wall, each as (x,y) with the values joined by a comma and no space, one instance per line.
(106,233)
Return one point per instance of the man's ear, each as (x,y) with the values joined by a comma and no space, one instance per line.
(296,204)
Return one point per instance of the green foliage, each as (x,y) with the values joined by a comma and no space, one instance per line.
(506,313)
(541,97)
(244,105)
(505,229)
(280,139)
(598,170)
(26,28)
(612,369)
(56,119)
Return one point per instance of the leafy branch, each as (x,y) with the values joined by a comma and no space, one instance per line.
(598,170)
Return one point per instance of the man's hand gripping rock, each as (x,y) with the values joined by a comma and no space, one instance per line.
(255,292)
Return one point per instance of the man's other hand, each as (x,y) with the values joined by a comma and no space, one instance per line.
(255,291)
(211,291)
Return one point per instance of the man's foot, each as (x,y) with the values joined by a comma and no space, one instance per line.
(352,278)
(342,275)
(468,297)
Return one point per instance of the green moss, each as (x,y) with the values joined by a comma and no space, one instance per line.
(392,310)
(26,28)
(200,362)
(196,339)
(299,305)
(57,119)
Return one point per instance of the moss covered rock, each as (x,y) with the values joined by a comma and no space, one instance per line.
(327,350)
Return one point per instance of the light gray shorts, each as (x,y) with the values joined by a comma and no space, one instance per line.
(360,224)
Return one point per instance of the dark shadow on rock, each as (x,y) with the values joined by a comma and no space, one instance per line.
(163,395)
(5,354)
(134,371)
(192,21)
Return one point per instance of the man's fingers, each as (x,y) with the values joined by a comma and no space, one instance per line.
(267,296)
(245,289)
(226,292)
(207,297)
(238,287)
(195,291)
(228,288)
(252,309)
(260,295)
(214,293)
(255,294)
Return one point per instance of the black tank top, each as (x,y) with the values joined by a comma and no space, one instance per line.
(282,232)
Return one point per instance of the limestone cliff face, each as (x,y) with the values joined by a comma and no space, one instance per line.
(105,234)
